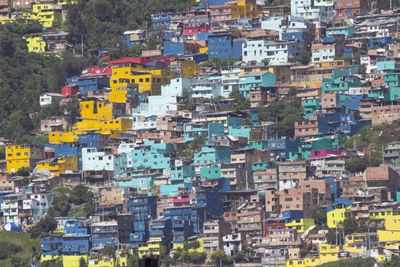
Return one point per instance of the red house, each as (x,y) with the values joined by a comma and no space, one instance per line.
(273,224)
(195,30)
(70,90)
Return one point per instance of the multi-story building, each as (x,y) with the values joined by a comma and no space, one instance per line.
(288,200)
(104,234)
(19,156)
(144,210)
(213,231)
(274,51)
(346,9)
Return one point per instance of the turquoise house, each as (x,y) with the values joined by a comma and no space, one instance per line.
(347,31)
(191,131)
(256,81)
(211,155)
(211,172)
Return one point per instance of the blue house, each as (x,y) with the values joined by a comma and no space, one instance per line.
(161,229)
(380,42)
(92,140)
(104,234)
(186,221)
(90,82)
(135,37)
(51,245)
(173,48)
(291,215)
(161,20)
(350,102)
(144,209)
(223,46)
(205,3)
(76,244)
(281,148)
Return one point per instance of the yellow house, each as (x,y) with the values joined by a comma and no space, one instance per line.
(96,110)
(199,249)
(19,156)
(35,44)
(388,236)
(392,222)
(123,260)
(153,248)
(72,261)
(337,216)
(382,214)
(244,9)
(47,13)
(57,166)
(127,71)
(355,243)
(300,225)
(64,137)
(302,262)
(203,49)
(49,258)
(328,252)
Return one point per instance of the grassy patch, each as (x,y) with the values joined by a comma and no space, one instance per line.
(352,262)
(20,239)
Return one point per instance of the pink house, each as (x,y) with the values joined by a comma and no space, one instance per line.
(324,153)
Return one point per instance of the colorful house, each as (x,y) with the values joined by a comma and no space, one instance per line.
(19,156)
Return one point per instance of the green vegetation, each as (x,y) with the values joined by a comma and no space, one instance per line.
(373,139)
(184,256)
(285,111)
(192,147)
(353,262)
(319,215)
(217,62)
(102,22)
(46,225)
(80,195)
(357,164)
(394,262)
(18,247)
(24,77)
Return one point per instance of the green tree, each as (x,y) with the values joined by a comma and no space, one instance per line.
(81,194)
(240,257)
(358,164)
(305,57)
(350,226)
(7,249)
(241,101)
(319,215)
(51,263)
(24,171)
(46,225)
(219,256)
(265,61)
(393,262)
(286,112)
(60,206)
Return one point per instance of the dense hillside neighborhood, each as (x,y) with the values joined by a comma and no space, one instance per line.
(200,133)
